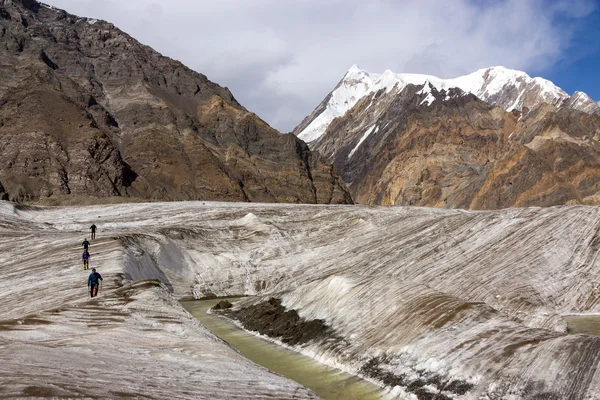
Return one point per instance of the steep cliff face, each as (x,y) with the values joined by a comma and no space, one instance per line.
(433,145)
(87,110)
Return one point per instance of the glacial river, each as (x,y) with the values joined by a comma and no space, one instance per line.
(328,383)
(586,324)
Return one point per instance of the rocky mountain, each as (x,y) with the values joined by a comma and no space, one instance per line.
(86,110)
(474,142)
(499,86)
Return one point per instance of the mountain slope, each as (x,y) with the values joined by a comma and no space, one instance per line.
(499,86)
(86,110)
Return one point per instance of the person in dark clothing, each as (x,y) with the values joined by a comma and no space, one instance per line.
(86,259)
(93,229)
(93,282)
(85,244)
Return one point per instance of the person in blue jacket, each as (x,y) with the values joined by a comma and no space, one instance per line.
(93,282)
(85,244)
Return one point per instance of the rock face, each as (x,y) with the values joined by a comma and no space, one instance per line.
(434,145)
(87,110)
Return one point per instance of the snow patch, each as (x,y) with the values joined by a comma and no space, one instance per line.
(49,6)
(362,139)
(426,90)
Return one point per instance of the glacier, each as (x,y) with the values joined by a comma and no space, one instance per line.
(133,340)
(450,297)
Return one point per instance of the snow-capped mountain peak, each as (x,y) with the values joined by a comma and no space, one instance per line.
(354,70)
(582,102)
(355,84)
(512,89)
(499,86)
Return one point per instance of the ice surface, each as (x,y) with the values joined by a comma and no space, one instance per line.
(132,341)
(470,296)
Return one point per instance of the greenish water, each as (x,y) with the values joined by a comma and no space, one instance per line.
(328,383)
(587,324)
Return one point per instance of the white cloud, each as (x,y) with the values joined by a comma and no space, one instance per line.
(280,58)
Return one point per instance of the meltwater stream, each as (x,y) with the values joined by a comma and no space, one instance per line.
(584,323)
(328,383)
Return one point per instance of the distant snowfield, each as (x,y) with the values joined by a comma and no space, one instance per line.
(471,297)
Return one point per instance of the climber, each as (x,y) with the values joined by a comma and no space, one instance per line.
(93,282)
(86,259)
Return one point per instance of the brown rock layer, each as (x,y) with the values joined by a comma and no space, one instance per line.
(87,110)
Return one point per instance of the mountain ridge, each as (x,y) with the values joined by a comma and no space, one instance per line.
(507,88)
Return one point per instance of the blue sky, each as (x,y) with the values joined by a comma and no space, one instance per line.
(280,58)
(579,66)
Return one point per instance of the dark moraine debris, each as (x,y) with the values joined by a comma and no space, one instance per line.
(272,319)
(420,386)
(222,305)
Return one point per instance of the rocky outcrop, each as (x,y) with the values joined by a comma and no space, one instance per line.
(272,319)
(87,110)
(447,148)
(222,305)
(3,194)
(582,102)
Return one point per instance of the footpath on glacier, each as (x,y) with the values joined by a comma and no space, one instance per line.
(431,303)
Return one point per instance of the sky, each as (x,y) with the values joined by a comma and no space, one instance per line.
(280,58)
